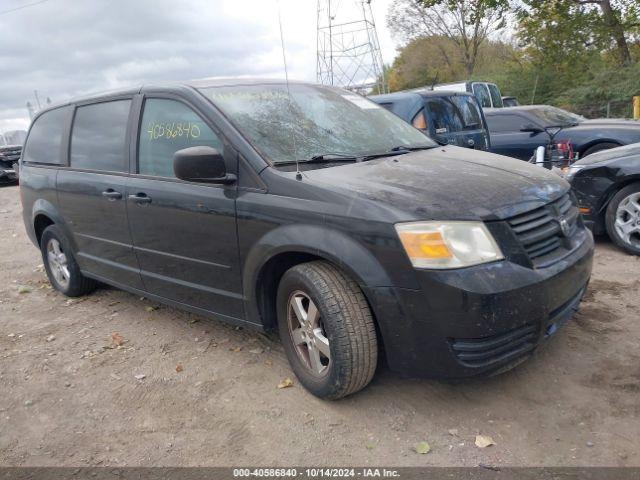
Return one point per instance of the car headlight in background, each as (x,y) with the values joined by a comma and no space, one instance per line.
(444,245)
(570,172)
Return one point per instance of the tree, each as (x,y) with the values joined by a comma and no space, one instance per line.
(467,24)
(614,24)
(574,27)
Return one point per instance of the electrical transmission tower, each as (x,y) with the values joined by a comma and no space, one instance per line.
(348,53)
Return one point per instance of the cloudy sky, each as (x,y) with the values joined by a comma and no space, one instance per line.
(63,48)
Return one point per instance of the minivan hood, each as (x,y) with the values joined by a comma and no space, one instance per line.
(447,183)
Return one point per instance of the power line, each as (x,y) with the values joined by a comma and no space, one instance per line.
(3,12)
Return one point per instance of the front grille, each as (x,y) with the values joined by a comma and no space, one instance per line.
(484,352)
(540,232)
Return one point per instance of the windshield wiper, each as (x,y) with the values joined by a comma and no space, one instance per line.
(325,157)
(399,150)
(331,157)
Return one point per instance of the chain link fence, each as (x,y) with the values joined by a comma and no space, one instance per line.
(611,109)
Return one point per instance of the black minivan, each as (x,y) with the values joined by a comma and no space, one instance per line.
(453,118)
(310,210)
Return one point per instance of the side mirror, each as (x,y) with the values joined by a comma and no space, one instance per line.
(201,164)
(531,128)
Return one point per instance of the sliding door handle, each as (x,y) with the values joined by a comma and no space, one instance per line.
(111,194)
(140,198)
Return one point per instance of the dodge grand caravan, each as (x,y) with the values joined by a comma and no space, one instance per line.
(313,211)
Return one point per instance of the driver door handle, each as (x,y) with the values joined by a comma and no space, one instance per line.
(140,198)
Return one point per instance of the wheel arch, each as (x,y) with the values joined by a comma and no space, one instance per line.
(291,245)
(598,141)
(615,188)
(45,214)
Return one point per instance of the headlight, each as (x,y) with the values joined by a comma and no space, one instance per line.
(571,171)
(443,245)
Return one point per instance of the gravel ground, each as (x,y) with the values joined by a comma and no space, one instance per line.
(181,390)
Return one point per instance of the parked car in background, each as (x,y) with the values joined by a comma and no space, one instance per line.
(607,186)
(453,118)
(10,151)
(488,94)
(510,102)
(518,131)
(310,210)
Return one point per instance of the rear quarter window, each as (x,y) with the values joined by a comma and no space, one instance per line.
(44,144)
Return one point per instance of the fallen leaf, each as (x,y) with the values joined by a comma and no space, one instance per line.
(117,340)
(152,308)
(286,383)
(179,368)
(236,349)
(370,446)
(24,289)
(422,448)
(484,441)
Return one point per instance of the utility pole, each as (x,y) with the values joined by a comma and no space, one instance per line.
(348,50)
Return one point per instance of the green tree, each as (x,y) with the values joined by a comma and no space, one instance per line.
(466,24)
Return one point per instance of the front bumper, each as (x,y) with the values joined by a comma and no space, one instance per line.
(478,320)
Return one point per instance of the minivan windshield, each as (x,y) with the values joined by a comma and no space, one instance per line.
(553,116)
(318,121)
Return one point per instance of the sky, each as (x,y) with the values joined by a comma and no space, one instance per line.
(64,48)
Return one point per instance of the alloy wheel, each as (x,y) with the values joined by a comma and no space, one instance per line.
(307,333)
(58,263)
(627,222)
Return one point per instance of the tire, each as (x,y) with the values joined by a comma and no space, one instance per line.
(598,147)
(344,320)
(620,209)
(70,283)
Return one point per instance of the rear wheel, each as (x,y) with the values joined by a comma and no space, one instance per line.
(623,218)
(327,330)
(61,266)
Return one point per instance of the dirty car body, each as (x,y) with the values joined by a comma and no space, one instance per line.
(222,249)
(596,179)
(511,134)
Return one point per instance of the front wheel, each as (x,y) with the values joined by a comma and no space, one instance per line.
(623,218)
(327,330)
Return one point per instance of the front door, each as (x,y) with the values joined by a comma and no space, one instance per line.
(184,234)
(91,192)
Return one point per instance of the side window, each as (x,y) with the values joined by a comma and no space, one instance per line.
(496,96)
(444,115)
(98,136)
(168,126)
(482,94)
(45,138)
(506,123)
(420,121)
